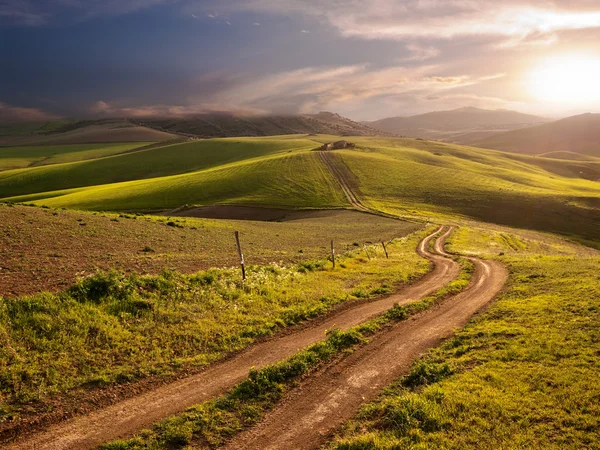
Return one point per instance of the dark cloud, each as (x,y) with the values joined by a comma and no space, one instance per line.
(10,113)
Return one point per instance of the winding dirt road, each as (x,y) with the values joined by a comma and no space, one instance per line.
(128,416)
(310,414)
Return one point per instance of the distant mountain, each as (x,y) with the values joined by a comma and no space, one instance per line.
(228,125)
(577,134)
(463,125)
(79,132)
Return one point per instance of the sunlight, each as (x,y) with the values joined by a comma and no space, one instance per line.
(570,79)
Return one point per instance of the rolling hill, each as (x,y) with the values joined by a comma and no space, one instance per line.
(80,132)
(461,125)
(578,134)
(401,176)
(228,125)
(150,163)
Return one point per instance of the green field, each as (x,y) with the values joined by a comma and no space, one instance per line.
(30,128)
(43,155)
(152,163)
(406,177)
(522,375)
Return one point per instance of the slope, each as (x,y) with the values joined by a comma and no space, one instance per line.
(43,155)
(81,132)
(154,162)
(399,176)
(296,180)
(227,125)
(407,177)
(577,134)
(457,124)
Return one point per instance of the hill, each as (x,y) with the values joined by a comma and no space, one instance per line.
(228,125)
(459,125)
(578,134)
(406,177)
(150,163)
(80,132)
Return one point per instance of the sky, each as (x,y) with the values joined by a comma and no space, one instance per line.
(363,59)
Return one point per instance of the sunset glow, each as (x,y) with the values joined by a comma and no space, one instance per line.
(567,80)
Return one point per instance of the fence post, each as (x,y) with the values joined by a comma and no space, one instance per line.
(385,250)
(332,254)
(239,248)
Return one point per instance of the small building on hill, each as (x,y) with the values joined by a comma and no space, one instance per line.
(337,145)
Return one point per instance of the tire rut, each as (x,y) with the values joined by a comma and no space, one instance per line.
(131,415)
(310,414)
(350,195)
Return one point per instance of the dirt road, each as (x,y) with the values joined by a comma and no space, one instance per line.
(131,415)
(327,159)
(310,414)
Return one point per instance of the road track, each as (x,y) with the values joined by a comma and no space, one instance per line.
(131,415)
(310,414)
(327,159)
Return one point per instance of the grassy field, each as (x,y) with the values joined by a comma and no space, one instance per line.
(211,423)
(447,180)
(111,327)
(289,180)
(155,162)
(406,177)
(522,375)
(29,128)
(43,155)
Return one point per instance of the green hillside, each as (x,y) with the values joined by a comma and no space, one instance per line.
(293,180)
(401,176)
(43,155)
(155,162)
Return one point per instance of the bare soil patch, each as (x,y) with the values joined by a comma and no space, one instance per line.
(250,213)
(42,249)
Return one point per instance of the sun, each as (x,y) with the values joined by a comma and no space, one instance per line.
(569,80)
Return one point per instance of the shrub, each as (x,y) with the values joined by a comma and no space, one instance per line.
(103,285)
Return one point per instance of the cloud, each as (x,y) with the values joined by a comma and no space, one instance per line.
(21,12)
(104,109)
(40,12)
(305,31)
(445,19)
(315,88)
(421,53)
(9,113)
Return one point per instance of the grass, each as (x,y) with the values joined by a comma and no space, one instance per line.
(110,328)
(421,178)
(210,424)
(151,163)
(290,180)
(522,375)
(29,128)
(404,177)
(44,155)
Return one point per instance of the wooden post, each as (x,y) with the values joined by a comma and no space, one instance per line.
(332,254)
(385,250)
(239,248)
(367,251)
